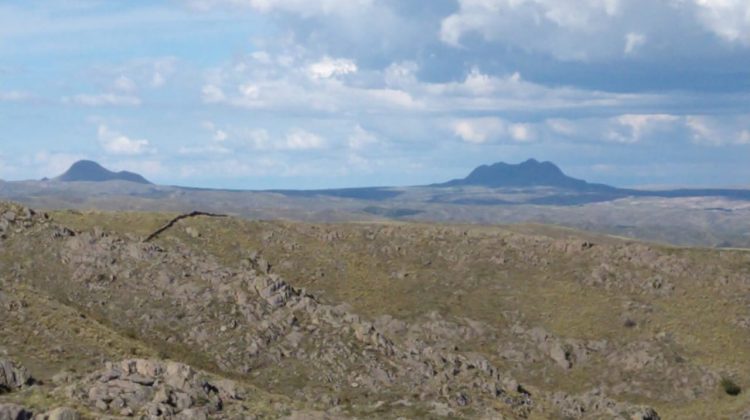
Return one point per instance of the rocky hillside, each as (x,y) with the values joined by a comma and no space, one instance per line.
(226,318)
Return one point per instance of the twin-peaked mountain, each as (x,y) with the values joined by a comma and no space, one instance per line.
(531,174)
(527,174)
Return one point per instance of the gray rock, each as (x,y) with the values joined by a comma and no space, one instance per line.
(62,413)
(10,216)
(13,376)
(14,412)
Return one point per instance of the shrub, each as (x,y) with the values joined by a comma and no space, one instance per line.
(730,387)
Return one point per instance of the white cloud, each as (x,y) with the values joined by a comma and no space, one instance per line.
(238,141)
(124,84)
(718,131)
(638,125)
(557,23)
(330,67)
(301,7)
(479,130)
(118,144)
(594,29)
(212,94)
(401,75)
(633,41)
(298,139)
(249,91)
(220,135)
(521,132)
(104,99)
(258,139)
(483,130)
(561,126)
(729,19)
(14,96)
(161,70)
(361,138)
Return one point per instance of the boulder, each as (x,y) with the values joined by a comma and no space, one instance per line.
(13,376)
(14,412)
(62,413)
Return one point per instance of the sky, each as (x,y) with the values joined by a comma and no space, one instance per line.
(265,94)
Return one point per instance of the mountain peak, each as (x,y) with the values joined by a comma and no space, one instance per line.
(90,171)
(530,173)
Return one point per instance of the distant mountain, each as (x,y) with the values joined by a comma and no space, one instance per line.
(89,171)
(531,173)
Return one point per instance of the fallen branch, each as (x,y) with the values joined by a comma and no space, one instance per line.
(177,219)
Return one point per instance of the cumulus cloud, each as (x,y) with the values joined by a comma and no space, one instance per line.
(292,80)
(594,29)
(631,128)
(729,19)
(713,131)
(330,67)
(479,130)
(679,131)
(243,140)
(266,83)
(482,130)
(118,144)
(558,23)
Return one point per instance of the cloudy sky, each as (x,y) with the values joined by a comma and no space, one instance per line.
(330,93)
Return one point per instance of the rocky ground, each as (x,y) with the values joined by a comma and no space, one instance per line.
(227,318)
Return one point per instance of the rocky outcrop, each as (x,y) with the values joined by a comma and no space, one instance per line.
(18,412)
(14,412)
(13,376)
(594,404)
(155,389)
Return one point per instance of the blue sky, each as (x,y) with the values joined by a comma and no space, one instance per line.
(331,93)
